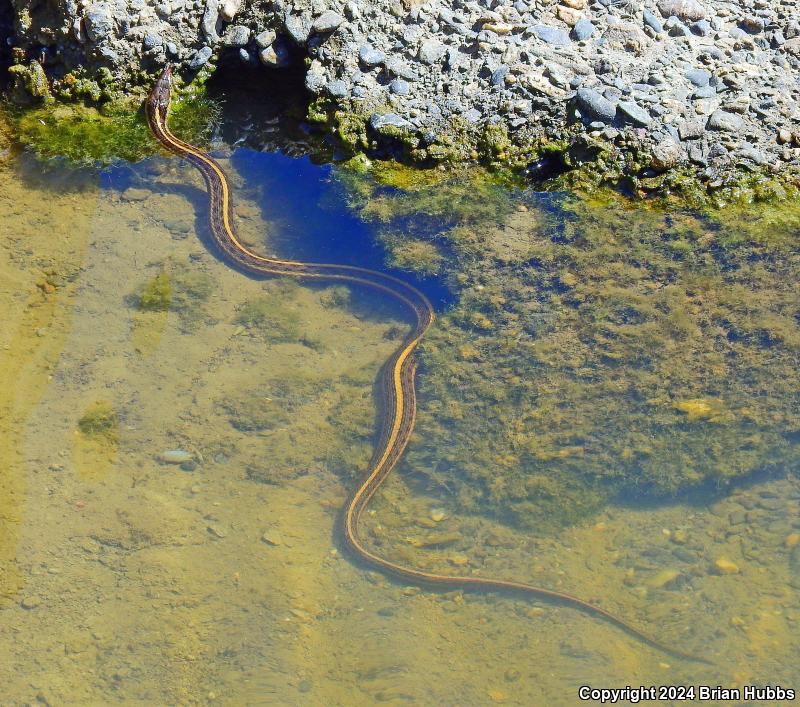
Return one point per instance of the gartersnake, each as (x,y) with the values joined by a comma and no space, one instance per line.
(397,374)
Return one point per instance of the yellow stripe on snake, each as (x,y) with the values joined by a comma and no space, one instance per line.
(397,374)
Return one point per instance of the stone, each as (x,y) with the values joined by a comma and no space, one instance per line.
(381,121)
(784,136)
(652,22)
(575,4)
(152,40)
(298,27)
(265,38)
(370,57)
(399,87)
(665,155)
(635,113)
(699,77)
(568,15)
(593,104)
(725,121)
(551,35)
(276,55)
(337,88)
(473,115)
(200,58)
(236,36)
(499,75)
(431,51)
(725,566)
(676,28)
(229,8)
(174,456)
(691,129)
(685,9)
(397,67)
(329,21)
(208,24)
(701,28)
(315,81)
(752,24)
(98,21)
(583,30)
(172,49)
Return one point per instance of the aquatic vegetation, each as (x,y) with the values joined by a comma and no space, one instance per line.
(156,294)
(597,348)
(100,421)
(270,318)
(116,131)
(177,289)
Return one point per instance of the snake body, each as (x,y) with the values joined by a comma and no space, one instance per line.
(397,374)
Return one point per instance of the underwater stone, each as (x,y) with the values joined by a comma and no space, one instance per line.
(174,456)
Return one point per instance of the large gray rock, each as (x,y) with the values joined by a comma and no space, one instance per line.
(329,21)
(725,121)
(209,25)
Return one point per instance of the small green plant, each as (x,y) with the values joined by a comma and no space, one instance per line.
(99,421)
(156,294)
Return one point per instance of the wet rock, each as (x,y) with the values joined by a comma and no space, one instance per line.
(381,121)
(595,105)
(272,537)
(725,566)
(98,21)
(665,155)
(30,602)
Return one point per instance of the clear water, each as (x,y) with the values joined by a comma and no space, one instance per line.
(125,578)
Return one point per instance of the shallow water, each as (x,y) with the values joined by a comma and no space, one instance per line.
(125,578)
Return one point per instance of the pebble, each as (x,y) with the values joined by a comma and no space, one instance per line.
(685,9)
(399,87)
(725,121)
(236,36)
(792,540)
(200,58)
(663,578)
(30,602)
(638,115)
(665,155)
(370,57)
(652,21)
(174,456)
(551,35)
(329,21)
(380,121)
(337,88)
(583,29)
(431,51)
(265,38)
(272,537)
(699,77)
(438,514)
(725,566)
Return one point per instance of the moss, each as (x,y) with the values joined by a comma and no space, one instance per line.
(271,318)
(100,421)
(30,83)
(87,136)
(156,294)
(420,257)
(598,346)
(177,289)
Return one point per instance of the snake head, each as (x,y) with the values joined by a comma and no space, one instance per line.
(158,100)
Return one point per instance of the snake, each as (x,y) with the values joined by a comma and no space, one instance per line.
(397,376)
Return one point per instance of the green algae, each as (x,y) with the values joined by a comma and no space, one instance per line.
(269,317)
(100,421)
(85,135)
(177,289)
(598,347)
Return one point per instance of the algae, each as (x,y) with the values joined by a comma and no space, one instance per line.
(598,348)
(100,421)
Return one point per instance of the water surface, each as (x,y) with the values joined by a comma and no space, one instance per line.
(581,346)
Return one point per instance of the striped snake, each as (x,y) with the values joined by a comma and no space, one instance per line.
(397,374)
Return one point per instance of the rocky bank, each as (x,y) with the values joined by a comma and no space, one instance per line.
(646,89)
